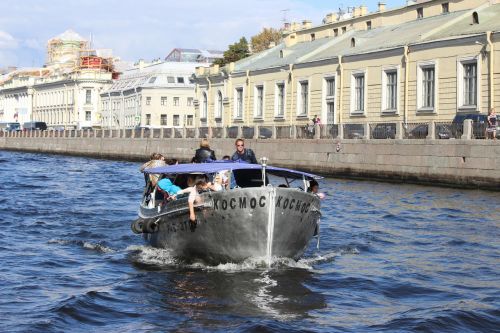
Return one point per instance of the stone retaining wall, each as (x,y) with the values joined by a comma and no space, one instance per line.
(461,163)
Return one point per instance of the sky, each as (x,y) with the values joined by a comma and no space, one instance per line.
(148,29)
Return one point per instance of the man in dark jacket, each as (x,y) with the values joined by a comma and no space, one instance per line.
(204,153)
(242,153)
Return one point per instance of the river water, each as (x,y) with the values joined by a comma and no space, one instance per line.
(392,257)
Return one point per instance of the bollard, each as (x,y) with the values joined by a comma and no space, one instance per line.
(275,132)
(340,134)
(467,135)
(431,131)
(256,131)
(400,130)
(367,131)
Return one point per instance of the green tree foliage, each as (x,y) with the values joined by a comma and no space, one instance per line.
(261,41)
(235,52)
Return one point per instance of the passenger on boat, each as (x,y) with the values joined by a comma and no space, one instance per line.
(314,189)
(226,158)
(166,185)
(156,160)
(204,153)
(242,153)
(200,184)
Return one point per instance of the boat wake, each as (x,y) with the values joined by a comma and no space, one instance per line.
(148,255)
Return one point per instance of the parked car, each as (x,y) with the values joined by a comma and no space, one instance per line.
(10,127)
(265,133)
(34,125)
(354,131)
(479,124)
(384,131)
(421,131)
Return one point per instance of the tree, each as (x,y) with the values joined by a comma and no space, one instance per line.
(235,52)
(261,41)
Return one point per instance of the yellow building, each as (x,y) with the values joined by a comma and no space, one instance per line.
(426,61)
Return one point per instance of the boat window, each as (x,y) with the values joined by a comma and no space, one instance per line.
(249,178)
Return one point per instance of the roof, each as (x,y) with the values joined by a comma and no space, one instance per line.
(439,27)
(69,35)
(207,168)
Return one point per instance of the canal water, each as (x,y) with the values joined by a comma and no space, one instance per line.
(392,257)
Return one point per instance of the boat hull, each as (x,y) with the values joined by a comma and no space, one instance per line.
(235,225)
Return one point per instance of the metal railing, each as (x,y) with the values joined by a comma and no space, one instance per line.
(391,130)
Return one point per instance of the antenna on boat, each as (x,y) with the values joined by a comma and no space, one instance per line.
(263,162)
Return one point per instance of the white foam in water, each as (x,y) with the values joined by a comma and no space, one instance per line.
(97,247)
(264,298)
(152,255)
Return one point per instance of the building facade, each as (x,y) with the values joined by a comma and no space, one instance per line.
(65,93)
(154,95)
(426,61)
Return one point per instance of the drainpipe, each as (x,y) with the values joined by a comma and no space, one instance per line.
(136,106)
(406,51)
(341,98)
(247,108)
(209,91)
(290,69)
(490,70)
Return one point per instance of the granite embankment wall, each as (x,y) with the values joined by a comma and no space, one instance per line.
(461,163)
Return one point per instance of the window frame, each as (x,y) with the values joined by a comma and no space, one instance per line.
(220,105)
(354,75)
(328,99)
(257,87)
(302,109)
(204,105)
(461,63)
(239,110)
(277,104)
(384,96)
(421,66)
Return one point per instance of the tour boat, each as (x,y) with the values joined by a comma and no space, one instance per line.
(265,212)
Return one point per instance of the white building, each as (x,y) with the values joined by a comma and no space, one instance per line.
(65,93)
(153,95)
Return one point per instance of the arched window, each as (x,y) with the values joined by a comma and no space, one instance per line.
(204,107)
(475,18)
(219,105)
(353,42)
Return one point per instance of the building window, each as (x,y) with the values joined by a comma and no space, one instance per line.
(204,106)
(475,18)
(259,101)
(329,93)
(180,79)
(468,78)
(368,25)
(358,82)
(313,37)
(189,121)
(163,119)
(239,103)
(420,12)
(445,8)
(344,29)
(148,100)
(163,101)
(220,106)
(176,101)
(390,90)
(335,32)
(170,79)
(303,101)
(176,120)
(88,96)
(148,119)
(88,115)
(189,101)
(152,80)
(426,87)
(280,100)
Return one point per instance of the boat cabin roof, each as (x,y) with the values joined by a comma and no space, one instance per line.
(208,168)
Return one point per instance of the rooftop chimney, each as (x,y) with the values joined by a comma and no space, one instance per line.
(356,12)
(363,10)
(381,6)
(306,24)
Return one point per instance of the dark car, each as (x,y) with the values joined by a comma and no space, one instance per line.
(384,131)
(354,131)
(265,133)
(34,125)
(479,124)
(421,131)
(10,127)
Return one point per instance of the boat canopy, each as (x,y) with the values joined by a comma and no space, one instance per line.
(214,167)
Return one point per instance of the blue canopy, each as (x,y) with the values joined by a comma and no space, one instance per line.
(207,168)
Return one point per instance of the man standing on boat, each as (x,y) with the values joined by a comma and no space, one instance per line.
(242,153)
